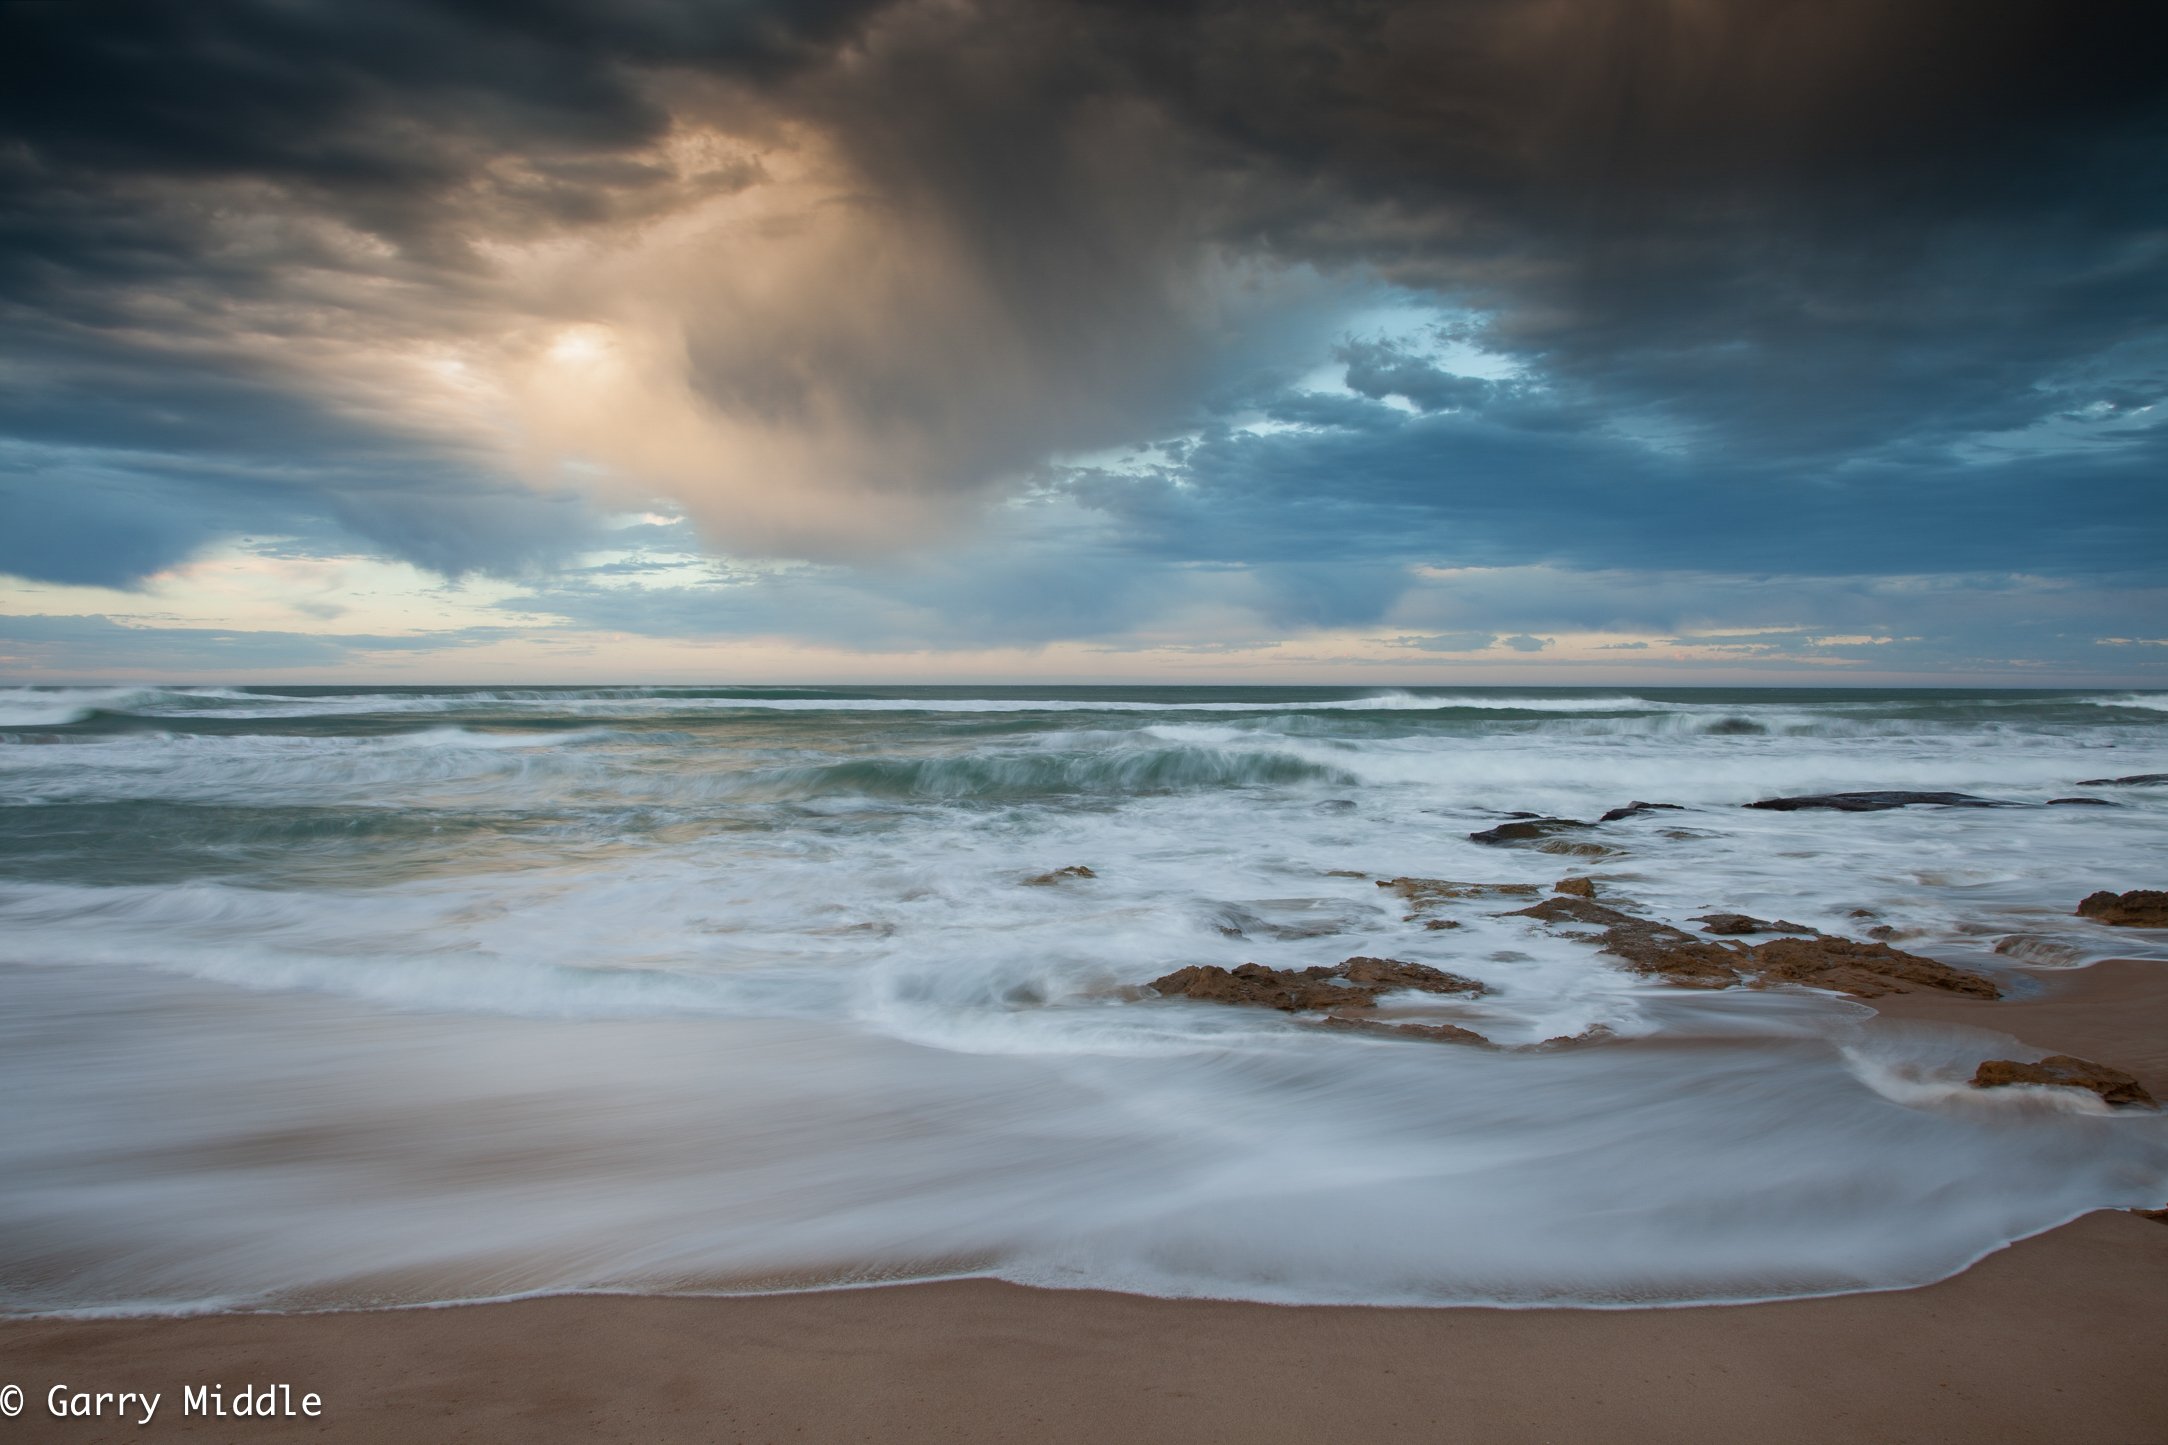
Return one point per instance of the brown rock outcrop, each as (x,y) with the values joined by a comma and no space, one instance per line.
(1863,970)
(1646,946)
(1575,887)
(1354,983)
(2064,1071)
(2139,908)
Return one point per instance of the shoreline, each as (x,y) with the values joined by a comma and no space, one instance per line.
(2055,1337)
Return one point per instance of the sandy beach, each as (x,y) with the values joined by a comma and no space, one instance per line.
(2059,1337)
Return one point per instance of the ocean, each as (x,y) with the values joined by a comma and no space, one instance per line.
(319,996)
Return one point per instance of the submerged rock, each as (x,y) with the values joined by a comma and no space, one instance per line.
(1434,1033)
(1353,983)
(1747,923)
(1423,891)
(1059,875)
(1863,970)
(2064,1071)
(2038,948)
(2135,780)
(2082,803)
(1532,830)
(1639,807)
(2139,908)
(1874,802)
(1424,894)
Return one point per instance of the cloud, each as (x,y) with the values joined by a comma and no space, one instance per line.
(1030,320)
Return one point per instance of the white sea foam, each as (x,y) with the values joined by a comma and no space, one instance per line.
(507,997)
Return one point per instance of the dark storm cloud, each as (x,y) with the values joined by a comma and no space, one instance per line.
(1775,276)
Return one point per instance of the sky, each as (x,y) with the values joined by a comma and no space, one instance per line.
(1469,341)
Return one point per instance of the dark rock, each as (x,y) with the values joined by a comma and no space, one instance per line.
(2082,803)
(1874,802)
(1439,924)
(1632,808)
(1336,805)
(1575,887)
(1530,830)
(1354,983)
(2064,1071)
(2139,908)
(1059,875)
(2158,1216)
(2135,780)
(1747,923)
(1435,1033)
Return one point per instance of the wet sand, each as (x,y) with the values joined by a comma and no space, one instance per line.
(2061,1337)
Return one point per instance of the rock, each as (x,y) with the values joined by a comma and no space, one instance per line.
(1354,983)
(1747,923)
(1344,873)
(1863,970)
(1059,875)
(1645,946)
(2139,908)
(2037,948)
(1531,830)
(1424,891)
(2158,1216)
(1253,983)
(1575,887)
(1435,1033)
(1336,805)
(2135,780)
(2082,803)
(1424,894)
(1873,802)
(2064,1071)
(1567,848)
(1593,1034)
(1439,924)
(1632,808)
(1391,974)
